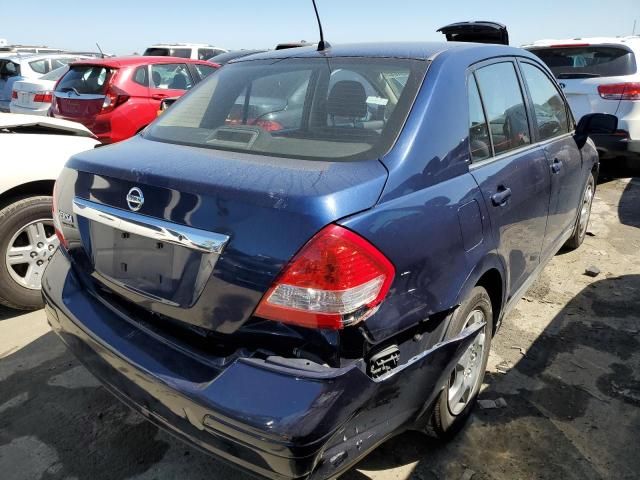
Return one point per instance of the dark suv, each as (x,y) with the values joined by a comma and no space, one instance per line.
(289,296)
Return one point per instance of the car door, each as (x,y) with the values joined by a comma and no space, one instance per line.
(511,171)
(168,80)
(551,121)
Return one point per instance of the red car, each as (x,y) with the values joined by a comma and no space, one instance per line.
(117,97)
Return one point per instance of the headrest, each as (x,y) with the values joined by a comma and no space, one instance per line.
(347,99)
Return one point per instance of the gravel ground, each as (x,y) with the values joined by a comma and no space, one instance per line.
(566,361)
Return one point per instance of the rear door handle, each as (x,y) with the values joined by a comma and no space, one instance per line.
(500,199)
(556,166)
(159,96)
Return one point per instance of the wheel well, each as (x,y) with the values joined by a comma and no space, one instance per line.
(40,187)
(491,281)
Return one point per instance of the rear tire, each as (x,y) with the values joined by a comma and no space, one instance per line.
(27,241)
(455,403)
(583,215)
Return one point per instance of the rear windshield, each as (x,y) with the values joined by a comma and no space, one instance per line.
(85,79)
(329,109)
(587,62)
(168,52)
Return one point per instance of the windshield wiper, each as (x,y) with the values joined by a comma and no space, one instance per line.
(70,89)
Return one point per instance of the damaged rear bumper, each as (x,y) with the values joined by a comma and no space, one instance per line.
(270,419)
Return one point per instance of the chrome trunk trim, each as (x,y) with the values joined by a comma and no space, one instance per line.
(160,230)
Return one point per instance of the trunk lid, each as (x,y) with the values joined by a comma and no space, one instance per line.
(479,32)
(266,207)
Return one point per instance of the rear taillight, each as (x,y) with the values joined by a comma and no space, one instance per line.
(43,97)
(336,280)
(620,91)
(57,225)
(113,98)
(14,94)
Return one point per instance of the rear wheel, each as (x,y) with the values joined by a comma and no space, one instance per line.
(453,406)
(584,213)
(27,242)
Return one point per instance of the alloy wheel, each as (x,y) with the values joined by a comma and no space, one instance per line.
(467,372)
(29,252)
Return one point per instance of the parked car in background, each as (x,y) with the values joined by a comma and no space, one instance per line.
(34,96)
(28,49)
(35,149)
(117,97)
(194,51)
(289,299)
(600,75)
(224,58)
(17,67)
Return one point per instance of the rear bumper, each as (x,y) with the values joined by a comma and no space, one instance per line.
(43,111)
(616,146)
(270,419)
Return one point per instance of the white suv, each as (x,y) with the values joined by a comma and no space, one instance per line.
(195,51)
(600,75)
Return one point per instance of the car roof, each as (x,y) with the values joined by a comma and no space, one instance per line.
(183,45)
(631,40)
(17,57)
(116,62)
(410,50)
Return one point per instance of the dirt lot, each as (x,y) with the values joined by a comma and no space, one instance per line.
(566,361)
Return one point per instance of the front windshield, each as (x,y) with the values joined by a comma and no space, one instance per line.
(308,108)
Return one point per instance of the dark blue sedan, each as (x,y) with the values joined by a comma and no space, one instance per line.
(311,251)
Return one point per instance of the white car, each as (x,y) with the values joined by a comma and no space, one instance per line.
(195,51)
(34,150)
(600,75)
(16,66)
(34,96)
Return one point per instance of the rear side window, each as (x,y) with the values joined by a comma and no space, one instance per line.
(141,76)
(504,105)
(550,110)
(479,139)
(588,62)
(171,76)
(39,66)
(85,79)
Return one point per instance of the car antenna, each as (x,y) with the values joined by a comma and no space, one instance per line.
(99,49)
(322,44)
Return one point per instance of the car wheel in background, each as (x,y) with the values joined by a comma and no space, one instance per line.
(584,213)
(27,242)
(454,405)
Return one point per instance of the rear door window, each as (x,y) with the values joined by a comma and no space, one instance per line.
(550,110)
(504,106)
(205,53)
(85,79)
(168,52)
(588,61)
(171,76)
(9,69)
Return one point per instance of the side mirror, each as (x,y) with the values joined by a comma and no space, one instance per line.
(595,124)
